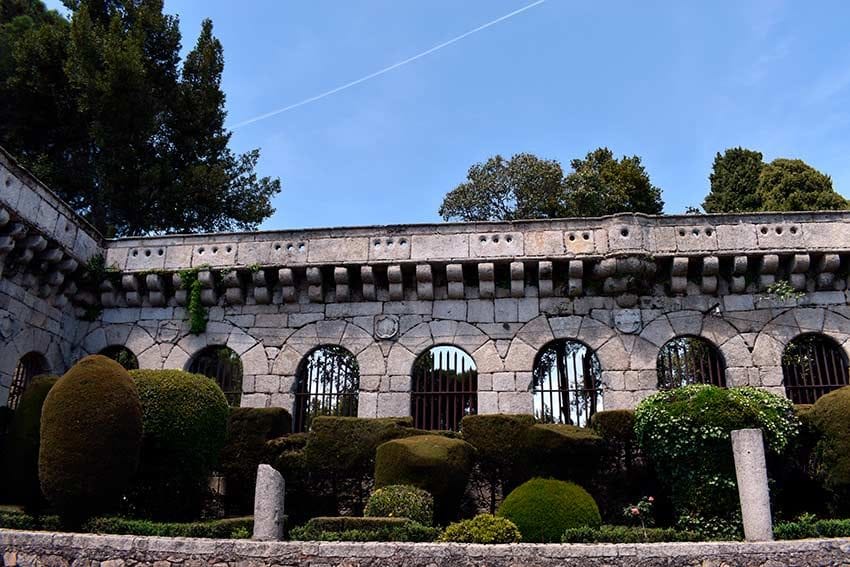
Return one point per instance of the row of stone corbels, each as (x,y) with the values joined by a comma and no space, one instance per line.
(44,265)
(765,267)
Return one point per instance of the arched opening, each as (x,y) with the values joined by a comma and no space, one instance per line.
(223,365)
(327,383)
(122,355)
(444,389)
(813,365)
(690,360)
(567,383)
(29,366)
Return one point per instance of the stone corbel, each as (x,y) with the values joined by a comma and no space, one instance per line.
(710,269)
(826,267)
(575,281)
(799,268)
(287,285)
(738,281)
(767,268)
(545,286)
(396,282)
(156,289)
(517,279)
(262,293)
(233,292)
(341,281)
(486,280)
(130,285)
(367,277)
(314,285)
(454,278)
(209,298)
(679,275)
(424,282)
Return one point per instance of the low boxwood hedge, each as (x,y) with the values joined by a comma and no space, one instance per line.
(345,528)
(626,534)
(483,528)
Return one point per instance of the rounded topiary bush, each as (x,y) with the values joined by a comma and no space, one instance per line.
(434,463)
(91,431)
(402,501)
(686,433)
(483,528)
(830,418)
(185,427)
(543,508)
(23,441)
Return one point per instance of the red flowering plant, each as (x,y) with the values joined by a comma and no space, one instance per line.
(641,513)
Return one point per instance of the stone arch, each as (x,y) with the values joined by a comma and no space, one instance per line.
(29,339)
(370,359)
(327,382)
(228,373)
(566,382)
(813,364)
(450,369)
(782,329)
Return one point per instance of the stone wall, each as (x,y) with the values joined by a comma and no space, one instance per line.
(622,285)
(64,550)
(44,246)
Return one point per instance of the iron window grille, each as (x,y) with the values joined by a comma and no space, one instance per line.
(690,360)
(813,365)
(29,366)
(122,355)
(327,383)
(223,365)
(444,389)
(567,383)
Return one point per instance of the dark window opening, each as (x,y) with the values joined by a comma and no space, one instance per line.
(444,389)
(567,383)
(327,383)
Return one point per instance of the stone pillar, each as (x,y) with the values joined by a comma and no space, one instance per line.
(268,505)
(751,471)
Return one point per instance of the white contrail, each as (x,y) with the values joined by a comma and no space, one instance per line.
(385,69)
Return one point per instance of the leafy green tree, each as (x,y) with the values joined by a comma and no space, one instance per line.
(100,109)
(527,187)
(523,187)
(793,185)
(734,178)
(600,185)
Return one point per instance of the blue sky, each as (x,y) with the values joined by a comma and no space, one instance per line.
(673,82)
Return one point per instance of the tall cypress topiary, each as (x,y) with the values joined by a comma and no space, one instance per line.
(185,427)
(91,431)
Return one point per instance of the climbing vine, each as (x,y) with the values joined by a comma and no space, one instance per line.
(197,312)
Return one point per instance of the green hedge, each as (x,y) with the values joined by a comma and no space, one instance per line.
(543,509)
(436,464)
(91,431)
(565,452)
(830,417)
(346,528)
(500,443)
(483,528)
(685,432)
(185,424)
(248,431)
(22,444)
(222,529)
(402,501)
(340,455)
(810,528)
(626,534)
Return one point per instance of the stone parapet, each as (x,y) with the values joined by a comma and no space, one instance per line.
(63,550)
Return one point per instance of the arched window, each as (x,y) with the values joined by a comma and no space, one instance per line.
(122,355)
(445,388)
(222,365)
(813,365)
(567,383)
(690,360)
(327,383)
(29,366)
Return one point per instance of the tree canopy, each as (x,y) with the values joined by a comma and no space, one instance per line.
(101,109)
(742,182)
(734,179)
(528,187)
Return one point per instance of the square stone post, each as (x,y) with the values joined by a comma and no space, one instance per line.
(751,472)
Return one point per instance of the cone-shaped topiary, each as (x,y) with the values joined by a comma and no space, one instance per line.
(542,509)
(23,441)
(434,463)
(185,426)
(91,431)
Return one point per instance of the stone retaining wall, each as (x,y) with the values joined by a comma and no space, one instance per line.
(63,550)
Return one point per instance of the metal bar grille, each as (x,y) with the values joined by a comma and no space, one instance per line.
(122,355)
(327,383)
(690,360)
(567,384)
(813,365)
(222,365)
(445,389)
(29,366)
